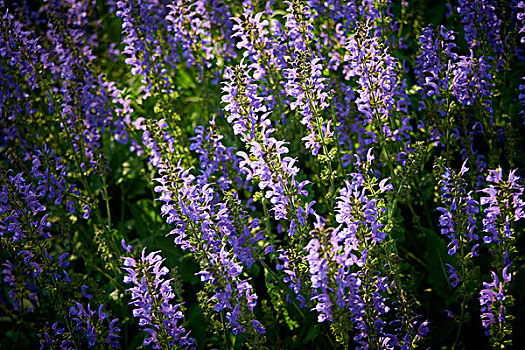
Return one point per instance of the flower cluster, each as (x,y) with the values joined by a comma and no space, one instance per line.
(89,330)
(380,92)
(482,25)
(346,253)
(318,172)
(458,217)
(145,51)
(503,205)
(152,295)
(429,63)
(492,299)
(89,322)
(267,161)
(203,220)
(191,25)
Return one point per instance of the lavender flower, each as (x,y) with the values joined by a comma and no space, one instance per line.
(20,48)
(429,65)
(491,300)
(380,94)
(194,27)
(319,277)
(208,140)
(472,78)
(290,268)
(359,288)
(152,295)
(459,215)
(482,15)
(211,226)
(305,86)
(192,36)
(91,324)
(520,16)
(502,206)
(458,222)
(146,52)
(275,172)
(25,200)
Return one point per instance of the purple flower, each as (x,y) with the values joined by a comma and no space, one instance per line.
(85,294)
(373,66)
(318,268)
(504,198)
(151,294)
(453,276)
(87,211)
(483,16)
(472,79)
(430,70)
(353,198)
(491,300)
(126,247)
(90,323)
(208,140)
(258,327)
(275,171)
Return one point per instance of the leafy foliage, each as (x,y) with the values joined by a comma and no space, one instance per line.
(262,174)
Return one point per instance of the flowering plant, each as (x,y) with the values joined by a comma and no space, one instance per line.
(258,174)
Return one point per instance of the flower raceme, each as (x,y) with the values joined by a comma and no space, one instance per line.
(266,161)
(347,253)
(152,296)
(209,223)
(503,207)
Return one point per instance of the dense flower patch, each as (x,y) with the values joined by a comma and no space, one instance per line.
(262,174)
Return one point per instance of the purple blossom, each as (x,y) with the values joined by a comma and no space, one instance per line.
(346,256)
(206,140)
(319,277)
(252,32)
(205,222)
(459,214)
(151,294)
(90,323)
(267,160)
(193,28)
(503,205)
(520,16)
(453,276)
(258,327)
(472,78)
(482,15)
(126,247)
(381,93)
(10,281)
(430,70)
(308,89)
(491,301)
(85,294)
(353,198)
(143,48)
(512,204)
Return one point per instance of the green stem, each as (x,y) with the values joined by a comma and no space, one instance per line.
(283,285)
(225,332)
(106,199)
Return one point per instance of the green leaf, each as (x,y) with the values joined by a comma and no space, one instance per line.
(313,332)
(197,324)
(437,256)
